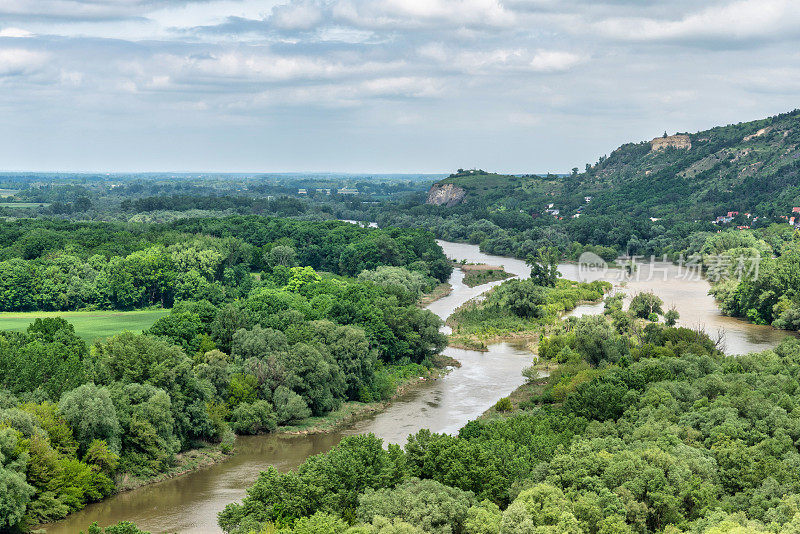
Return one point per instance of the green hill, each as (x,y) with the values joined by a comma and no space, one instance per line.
(751,167)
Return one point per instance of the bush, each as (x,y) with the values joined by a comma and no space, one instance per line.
(504,405)
(228,440)
(289,406)
(254,418)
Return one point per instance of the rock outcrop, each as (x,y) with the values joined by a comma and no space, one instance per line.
(446,195)
(675,141)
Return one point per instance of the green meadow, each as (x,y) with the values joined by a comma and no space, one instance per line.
(89,325)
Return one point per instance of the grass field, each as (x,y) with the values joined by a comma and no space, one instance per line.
(23,204)
(89,325)
(8,192)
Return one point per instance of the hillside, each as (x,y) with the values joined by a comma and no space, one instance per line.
(751,167)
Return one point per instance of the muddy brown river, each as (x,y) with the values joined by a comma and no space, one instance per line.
(189,504)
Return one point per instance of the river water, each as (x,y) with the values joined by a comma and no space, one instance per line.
(189,504)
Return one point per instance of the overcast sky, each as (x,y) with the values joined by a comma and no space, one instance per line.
(378,85)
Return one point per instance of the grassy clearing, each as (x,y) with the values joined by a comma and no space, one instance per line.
(89,325)
(8,192)
(480,273)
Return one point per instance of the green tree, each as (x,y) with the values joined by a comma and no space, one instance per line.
(289,406)
(645,303)
(15,492)
(427,504)
(281,255)
(90,412)
(544,266)
(253,418)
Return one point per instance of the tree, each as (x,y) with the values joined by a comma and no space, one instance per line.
(123,527)
(544,266)
(525,298)
(671,317)
(15,492)
(253,418)
(411,282)
(90,412)
(282,255)
(350,348)
(148,428)
(316,376)
(483,518)
(427,504)
(645,303)
(289,406)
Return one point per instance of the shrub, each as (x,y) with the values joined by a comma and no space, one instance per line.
(254,418)
(504,405)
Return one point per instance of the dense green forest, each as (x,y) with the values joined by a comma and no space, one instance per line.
(61,265)
(642,428)
(239,352)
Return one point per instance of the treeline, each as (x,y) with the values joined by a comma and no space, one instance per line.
(75,420)
(643,428)
(57,265)
(283,206)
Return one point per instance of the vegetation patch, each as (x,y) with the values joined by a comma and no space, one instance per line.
(476,274)
(185,462)
(518,309)
(441,290)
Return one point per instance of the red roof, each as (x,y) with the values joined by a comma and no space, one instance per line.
(795,210)
(733,213)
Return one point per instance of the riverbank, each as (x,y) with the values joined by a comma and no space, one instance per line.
(353,410)
(195,460)
(185,463)
(440,291)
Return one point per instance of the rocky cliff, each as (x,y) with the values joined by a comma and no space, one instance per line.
(675,141)
(446,195)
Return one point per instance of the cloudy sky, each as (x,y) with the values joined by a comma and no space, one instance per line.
(378,85)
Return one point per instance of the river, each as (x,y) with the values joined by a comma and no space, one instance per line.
(189,504)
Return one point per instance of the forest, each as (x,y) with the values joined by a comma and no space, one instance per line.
(241,351)
(62,265)
(642,428)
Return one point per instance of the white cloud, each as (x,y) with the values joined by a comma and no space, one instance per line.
(499,59)
(15,32)
(18,61)
(737,20)
(302,15)
(554,61)
(397,14)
